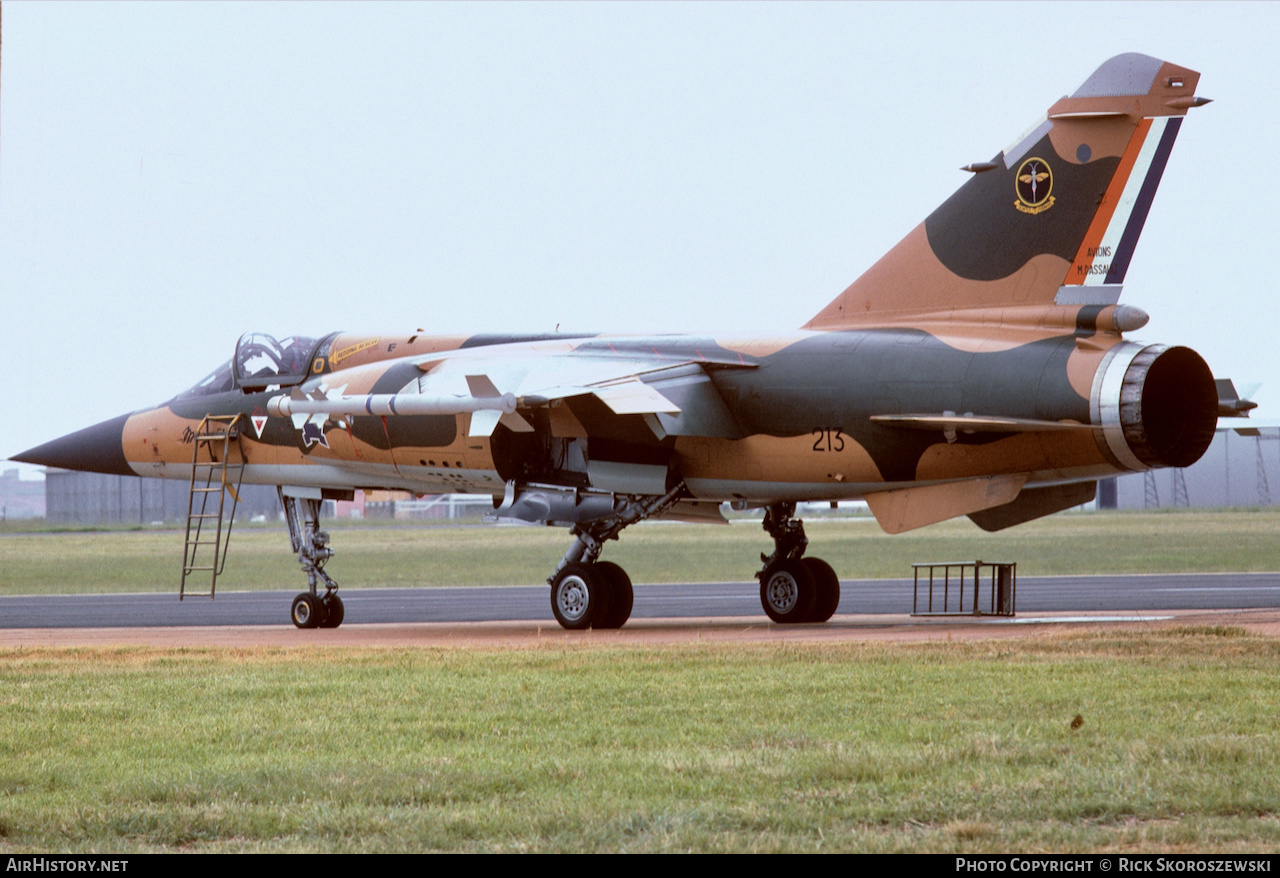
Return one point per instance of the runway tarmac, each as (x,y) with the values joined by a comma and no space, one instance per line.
(734,600)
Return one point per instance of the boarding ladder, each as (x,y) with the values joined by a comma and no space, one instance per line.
(218,440)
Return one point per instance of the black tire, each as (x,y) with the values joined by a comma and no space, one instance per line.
(579,596)
(334,611)
(787,592)
(621,595)
(307,611)
(826,586)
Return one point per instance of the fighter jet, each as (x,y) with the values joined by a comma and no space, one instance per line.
(979,368)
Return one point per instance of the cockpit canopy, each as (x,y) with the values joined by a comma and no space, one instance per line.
(260,361)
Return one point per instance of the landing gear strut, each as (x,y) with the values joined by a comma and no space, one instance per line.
(794,588)
(589,593)
(310,609)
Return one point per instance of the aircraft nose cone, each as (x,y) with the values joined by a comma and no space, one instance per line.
(96,449)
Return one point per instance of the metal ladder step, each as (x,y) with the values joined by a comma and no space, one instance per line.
(213,429)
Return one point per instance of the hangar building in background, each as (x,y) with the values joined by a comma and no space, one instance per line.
(96,498)
(1241,468)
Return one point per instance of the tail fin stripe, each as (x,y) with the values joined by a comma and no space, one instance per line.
(1138,215)
(1091,247)
(1143,148)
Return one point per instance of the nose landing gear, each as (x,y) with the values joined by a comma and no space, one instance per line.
(310,609)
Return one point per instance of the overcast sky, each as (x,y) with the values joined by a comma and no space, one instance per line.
(172,175)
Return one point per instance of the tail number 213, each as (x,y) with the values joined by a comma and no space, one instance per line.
(827,439)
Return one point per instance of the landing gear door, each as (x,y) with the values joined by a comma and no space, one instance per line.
(261,362)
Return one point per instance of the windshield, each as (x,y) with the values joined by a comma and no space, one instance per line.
(217,381)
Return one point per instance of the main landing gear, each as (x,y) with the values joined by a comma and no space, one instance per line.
(794,588)
(589,593)
(310,609)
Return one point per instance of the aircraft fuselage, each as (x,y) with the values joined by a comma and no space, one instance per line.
(791,419)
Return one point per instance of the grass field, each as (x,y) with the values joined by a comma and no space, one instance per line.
(408,555)
(797,746)
(943,747)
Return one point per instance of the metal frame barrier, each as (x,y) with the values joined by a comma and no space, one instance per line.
(1003,588)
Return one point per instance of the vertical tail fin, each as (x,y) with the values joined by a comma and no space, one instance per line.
(1052,219)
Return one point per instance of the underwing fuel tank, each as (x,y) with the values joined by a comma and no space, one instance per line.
(1157,406)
